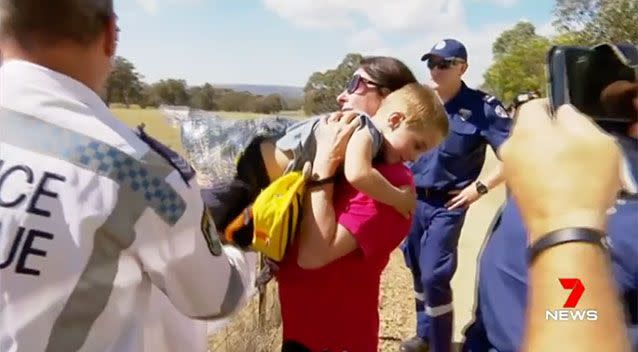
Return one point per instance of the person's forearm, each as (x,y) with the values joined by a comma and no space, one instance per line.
(318,222)
(377,187)
(590,264)
(318,225)
(495,177)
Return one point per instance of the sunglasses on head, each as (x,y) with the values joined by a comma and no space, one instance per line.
(356,80)
(442,64)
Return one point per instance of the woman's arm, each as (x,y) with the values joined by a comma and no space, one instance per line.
(321,239)
(373,228)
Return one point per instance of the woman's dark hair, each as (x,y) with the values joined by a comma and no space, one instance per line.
(388,72)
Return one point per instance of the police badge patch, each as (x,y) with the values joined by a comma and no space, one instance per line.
(210,234)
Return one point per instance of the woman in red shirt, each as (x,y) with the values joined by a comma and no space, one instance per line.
(329,281)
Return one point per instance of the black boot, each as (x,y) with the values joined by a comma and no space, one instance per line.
(415,344)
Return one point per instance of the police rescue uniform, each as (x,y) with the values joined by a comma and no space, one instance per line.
(503,279)
(91,218)
(476,120)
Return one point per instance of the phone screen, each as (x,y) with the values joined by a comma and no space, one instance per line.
(578,76)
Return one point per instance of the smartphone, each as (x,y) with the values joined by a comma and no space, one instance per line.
(578,75)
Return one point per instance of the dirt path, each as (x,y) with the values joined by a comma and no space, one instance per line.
(397,299)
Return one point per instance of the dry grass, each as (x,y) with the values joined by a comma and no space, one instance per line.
(250,330)
(156,125)
(248,333)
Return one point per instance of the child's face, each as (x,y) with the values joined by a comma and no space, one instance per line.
(405,143)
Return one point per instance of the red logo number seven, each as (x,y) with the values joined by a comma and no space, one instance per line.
(577,288)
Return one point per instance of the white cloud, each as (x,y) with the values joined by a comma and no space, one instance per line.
(419,24)
(546,30)
(309,13)
(149,6)
(505,3)
(502,3)
(368,40)
(397,15)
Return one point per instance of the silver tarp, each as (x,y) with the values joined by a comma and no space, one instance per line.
(213,143)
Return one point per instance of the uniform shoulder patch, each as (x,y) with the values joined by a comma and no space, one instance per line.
(500,112)
(210,234)
(495,104)
(177,161)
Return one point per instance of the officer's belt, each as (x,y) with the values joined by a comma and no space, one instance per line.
(424,193)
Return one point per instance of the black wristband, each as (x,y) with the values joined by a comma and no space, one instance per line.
(571,234)
(321,182)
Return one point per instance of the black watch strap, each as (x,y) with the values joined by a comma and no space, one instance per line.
(572,234)
(481,188)
(319,182)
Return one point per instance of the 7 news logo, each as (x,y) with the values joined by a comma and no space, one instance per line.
(577,289)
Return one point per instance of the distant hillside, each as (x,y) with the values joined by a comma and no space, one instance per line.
(286,92)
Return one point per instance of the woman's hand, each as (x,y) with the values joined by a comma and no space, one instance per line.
(333,135)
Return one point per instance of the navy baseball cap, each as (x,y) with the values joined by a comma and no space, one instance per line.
(448,49)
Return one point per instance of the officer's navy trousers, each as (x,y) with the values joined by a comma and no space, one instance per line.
(430,252)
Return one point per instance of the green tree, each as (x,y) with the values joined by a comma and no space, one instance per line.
(521,32)
(171,92)
(203,97)
(520,57)
(523,69)
(596,21)
(236,101)
(124,84)
(270,104)
(322,88)
(149,99)
(293,104)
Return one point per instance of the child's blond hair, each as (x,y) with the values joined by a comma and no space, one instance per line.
(421,105)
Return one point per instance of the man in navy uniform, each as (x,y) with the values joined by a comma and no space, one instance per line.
(447,183)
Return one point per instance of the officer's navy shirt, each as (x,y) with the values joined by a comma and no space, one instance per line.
(476,120)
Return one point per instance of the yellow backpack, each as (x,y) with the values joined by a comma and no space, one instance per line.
(276,214)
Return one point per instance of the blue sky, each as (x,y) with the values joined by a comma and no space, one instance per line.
(285,41)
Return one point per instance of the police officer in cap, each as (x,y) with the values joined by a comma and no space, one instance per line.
(447,183)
